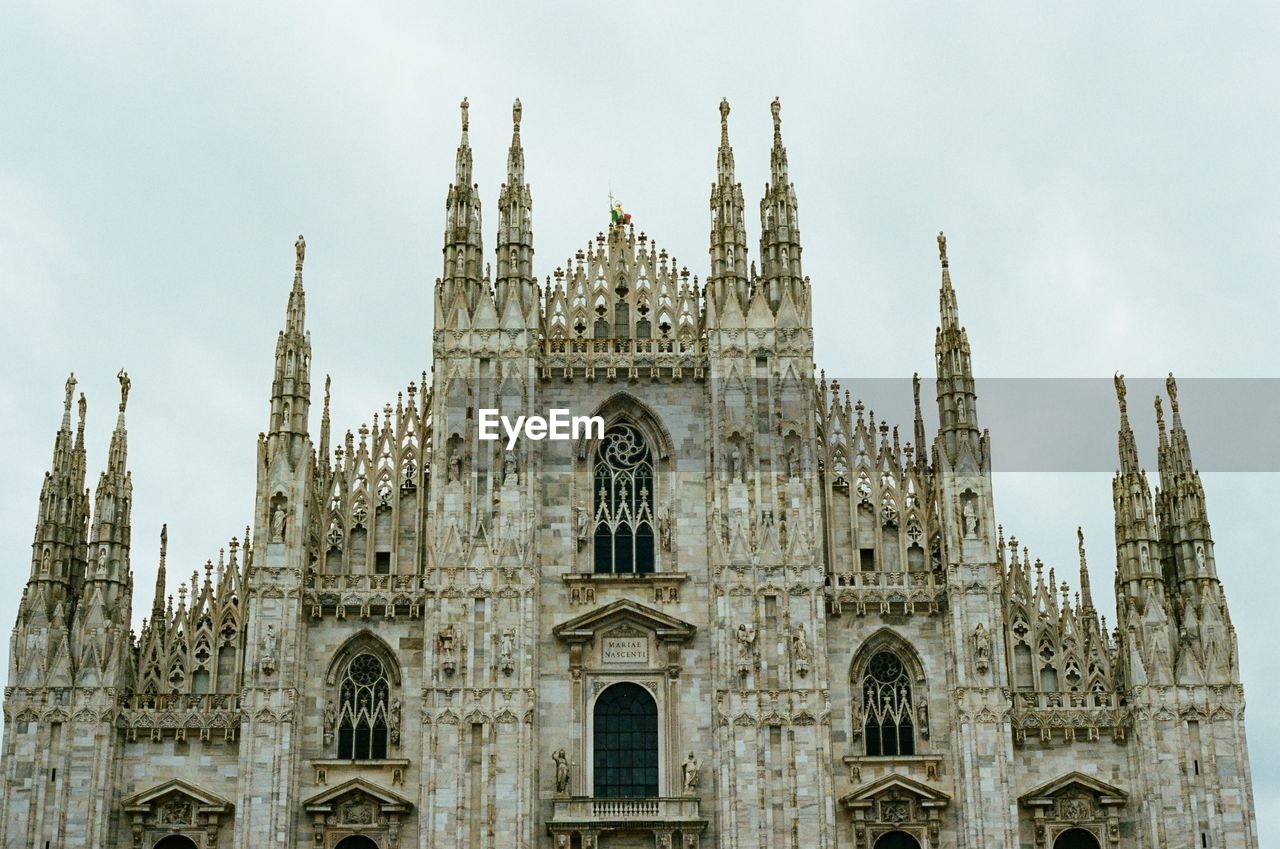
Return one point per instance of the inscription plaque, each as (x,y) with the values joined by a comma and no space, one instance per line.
(626,649)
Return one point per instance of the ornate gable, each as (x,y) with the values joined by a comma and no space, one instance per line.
(357,807)
(176,807)
(895,803)
(1075,801)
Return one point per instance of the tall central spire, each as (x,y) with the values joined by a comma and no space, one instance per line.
(459,285)
(291,381)
(957,399)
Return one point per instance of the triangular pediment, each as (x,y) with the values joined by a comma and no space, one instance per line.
(207,801)
(895,785)
(389,802)
(1077,781)
(585,627)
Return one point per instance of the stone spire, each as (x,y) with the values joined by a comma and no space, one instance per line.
(459,285)
(1086,594)
(157,602)
(62,519)
(957,400)
(113,503)
(728,277)
(516,289)
(1180,503)
(779,222)
(1131,496)
(291,382)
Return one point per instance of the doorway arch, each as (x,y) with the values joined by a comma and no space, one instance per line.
(356,841)
(176,841)
(897,840)
(1076,838)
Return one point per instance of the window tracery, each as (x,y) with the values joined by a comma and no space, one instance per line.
(623,484)
(889,724)
(363,698)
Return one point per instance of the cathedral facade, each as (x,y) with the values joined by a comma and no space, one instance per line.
(747,615)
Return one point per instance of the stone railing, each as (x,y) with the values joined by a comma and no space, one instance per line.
(210,716)
(627,358)
(1066,721)
(363,595)
(883,592)
(634,811)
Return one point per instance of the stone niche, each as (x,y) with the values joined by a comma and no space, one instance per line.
(175,808)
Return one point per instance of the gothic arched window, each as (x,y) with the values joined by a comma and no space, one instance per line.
(626,743)
(886,697)
(622,480)
(362,709)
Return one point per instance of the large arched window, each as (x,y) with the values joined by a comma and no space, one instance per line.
(626,743)
(622,481)
(363,695)
(886,697)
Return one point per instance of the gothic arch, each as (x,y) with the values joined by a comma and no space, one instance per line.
(365,642)
(623,406)
(886,639)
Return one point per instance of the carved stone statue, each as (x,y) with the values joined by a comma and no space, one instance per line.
(300,249)
(942,246)
(268,647)
(562,771)
(981,648)
(507,650)
(509,475)
(393,721)
(664,529)
(800,644)
(277,523)
(46,561)
(691,769)
(735,464)
(970,516)
(466,108)
(580,522)
(330,719)
(125,384)
(455,467)
(793,462)
(746,637)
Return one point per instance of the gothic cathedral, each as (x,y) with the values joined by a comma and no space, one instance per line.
(744,615)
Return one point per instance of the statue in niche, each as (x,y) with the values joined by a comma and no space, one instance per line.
(1201,562)
(455,466)
(961,412)
(664,529)
(735,464)
(509,473)
(746,637)
(278,517)
(580,522)
(562,771)
(1144,558)
(800,644)
(108,508)
(793,462)
(393,721)
(922,718)
(102,561)
(970,516)
(738,523)
(46,560)
(690,770)
(506,650)
(447,640)
(330,720)
(981,648)
(268,647)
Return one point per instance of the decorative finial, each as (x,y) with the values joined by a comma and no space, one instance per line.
(1080,543)
(516,111)
(466,119)
(776,109)
(71,389)
(125,383)
(164,542)
(1120,391)
(300,248)
(1171,386)
(942,247)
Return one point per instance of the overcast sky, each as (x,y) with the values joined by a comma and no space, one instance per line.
(1106,176)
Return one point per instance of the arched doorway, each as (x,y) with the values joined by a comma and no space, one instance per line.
(176,841)
(356,841)
(1076,838)
(626,743)
(897,840)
